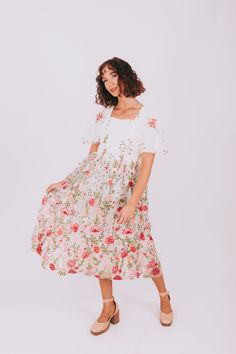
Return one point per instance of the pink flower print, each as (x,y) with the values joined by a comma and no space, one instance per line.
(49,232)
(87,172)
(65,211)
(72,271)
(71,263)
(39,248)
(150,237)
(99,116)
(141,236)
(127,231)
(52,267)
(152,122)
(124,254)
(119,208)
(74,227)
(109,182)
(60,231)
(109,239)
(138,274)
(40,236)
(155,271)
(95,229)
(44,200)
(130,184)
(92,201)
(115,269)
(133,249)
(85,254)
(117,277)
(143,207)
(152,264)
(96,249)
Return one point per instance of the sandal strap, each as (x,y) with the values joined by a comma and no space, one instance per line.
(108,299)
(164,293)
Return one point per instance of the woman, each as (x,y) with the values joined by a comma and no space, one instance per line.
(96,220)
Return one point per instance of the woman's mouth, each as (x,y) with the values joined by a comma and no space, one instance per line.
(113,90)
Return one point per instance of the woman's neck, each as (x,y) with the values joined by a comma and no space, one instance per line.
(126,103)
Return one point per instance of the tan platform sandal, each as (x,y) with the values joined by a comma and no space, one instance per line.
(101,327)
(166,319)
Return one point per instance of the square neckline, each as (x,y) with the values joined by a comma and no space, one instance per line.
(125,118)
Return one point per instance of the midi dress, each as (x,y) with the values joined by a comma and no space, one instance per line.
(76,228)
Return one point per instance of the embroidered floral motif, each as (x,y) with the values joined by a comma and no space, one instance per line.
(152,122)
(100,116)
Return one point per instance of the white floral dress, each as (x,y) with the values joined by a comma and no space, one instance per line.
(76,229)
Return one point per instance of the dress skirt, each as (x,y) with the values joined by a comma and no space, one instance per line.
(76,227)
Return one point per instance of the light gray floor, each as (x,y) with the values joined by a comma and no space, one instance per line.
(36,320)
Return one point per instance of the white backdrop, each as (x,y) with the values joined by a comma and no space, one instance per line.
(184,52)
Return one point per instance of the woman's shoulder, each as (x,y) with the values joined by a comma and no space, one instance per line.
(149,113)
(101,113)
(149,110)
(151,119)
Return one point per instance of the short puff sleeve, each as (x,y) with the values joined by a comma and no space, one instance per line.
(152,136)
(94,133)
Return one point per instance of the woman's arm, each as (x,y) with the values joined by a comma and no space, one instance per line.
(128,211)
(94,148)
(147,159)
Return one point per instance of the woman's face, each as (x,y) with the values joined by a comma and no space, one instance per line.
(110,80)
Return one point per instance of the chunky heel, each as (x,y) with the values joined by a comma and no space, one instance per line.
(101,327)
(116,318)
(166,319)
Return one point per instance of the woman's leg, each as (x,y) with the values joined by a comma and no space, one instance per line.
(107,292)
(164,301)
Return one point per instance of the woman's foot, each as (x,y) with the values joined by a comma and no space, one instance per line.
(110,314)
(108,309)
(166,313)
(165,305)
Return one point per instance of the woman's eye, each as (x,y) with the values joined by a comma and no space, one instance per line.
(112,75)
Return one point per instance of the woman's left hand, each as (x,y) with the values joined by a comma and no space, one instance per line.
(126,214)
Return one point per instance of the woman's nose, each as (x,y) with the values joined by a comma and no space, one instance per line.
(111,84)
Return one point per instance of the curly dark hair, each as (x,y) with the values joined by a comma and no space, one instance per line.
(132,84)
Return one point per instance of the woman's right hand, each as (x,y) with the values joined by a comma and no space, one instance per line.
(54,186)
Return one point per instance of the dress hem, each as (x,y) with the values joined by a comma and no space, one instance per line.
(140,274)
